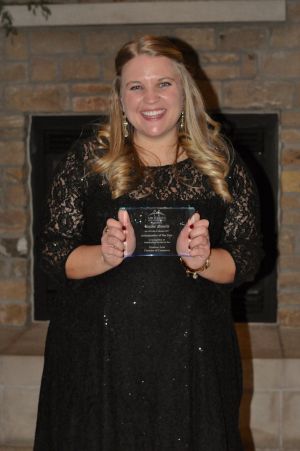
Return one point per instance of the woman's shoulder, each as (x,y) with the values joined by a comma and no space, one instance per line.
(83,149)
(81,153)
(74,163)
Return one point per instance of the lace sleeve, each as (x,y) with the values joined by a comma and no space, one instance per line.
(62,231)
(242,224)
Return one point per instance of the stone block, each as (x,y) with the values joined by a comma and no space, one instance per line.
(262,374)
(267,374)
(291,373)
(290,217)
(13,289)
(290,118)
(90,89)
(291,157)
(248,66)
(15,195)
(297,244)
(12,153)
(106,41)
(287,36)
(11,134)
(13,314)
(262,411)
(293,11)
(80,68)
(12,121)
(288,263)
(290,419)
(281,65)
(19,417)
(291,137)
(290,339)
(1,413)
(289,280)
(241,39)
(286,241)
(13,174)
(43,69)
(8,336)
(19,268)
(219,58)
(290,200)
(90,104)
(14,247)
(107,70)
(16,46)
(4,266)
(21,370)
(197,38)
(296,102)
(221,71)
(254,94)
(50,42)
(292,298)
(12,72)
(264,342)
(13,223)
(289,317)
(29,342)
(38,98)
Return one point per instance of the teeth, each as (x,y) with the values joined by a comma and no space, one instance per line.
(152,113)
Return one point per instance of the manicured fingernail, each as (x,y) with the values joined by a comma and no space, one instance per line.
(123,227)
(191,226)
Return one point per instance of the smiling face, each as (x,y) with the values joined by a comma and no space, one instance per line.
(152,98)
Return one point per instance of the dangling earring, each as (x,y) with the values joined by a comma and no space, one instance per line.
(181,123)
(125,126)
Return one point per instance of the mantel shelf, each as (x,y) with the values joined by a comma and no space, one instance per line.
(166,12)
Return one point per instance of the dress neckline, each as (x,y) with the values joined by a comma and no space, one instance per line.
(170,165)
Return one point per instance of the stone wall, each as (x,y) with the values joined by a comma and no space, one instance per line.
(249,67)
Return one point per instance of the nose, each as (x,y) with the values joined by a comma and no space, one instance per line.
(151,95)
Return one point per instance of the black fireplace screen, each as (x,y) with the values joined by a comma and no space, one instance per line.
(254,136)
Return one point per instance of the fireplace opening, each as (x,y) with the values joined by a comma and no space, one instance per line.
(254,136)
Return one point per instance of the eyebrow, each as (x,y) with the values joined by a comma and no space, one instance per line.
(160,79)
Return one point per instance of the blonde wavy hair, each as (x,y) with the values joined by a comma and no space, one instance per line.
(117,158)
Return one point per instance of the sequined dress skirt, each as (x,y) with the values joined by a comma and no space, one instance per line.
(153,366)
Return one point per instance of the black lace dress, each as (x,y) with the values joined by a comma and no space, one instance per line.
(142,358)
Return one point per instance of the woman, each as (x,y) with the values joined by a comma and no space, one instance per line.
(141,356)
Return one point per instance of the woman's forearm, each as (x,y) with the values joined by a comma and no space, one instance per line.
(86,261)
(221,269)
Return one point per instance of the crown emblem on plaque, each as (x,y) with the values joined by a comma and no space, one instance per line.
(157,217)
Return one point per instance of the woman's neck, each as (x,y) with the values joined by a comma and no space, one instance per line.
(158,153)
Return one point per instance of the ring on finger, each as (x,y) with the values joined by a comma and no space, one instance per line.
(106,229)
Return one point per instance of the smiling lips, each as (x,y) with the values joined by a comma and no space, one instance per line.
(153,114)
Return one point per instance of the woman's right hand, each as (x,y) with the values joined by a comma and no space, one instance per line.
(118,239)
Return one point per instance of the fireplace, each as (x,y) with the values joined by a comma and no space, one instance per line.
(254,136)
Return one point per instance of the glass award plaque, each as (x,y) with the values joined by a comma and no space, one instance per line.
(157,228)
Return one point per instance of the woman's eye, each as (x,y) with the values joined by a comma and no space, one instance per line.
(164,84)
(135,87)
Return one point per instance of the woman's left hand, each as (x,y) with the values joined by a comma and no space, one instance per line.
(193,242)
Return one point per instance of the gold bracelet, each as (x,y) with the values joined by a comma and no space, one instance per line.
(194,272)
